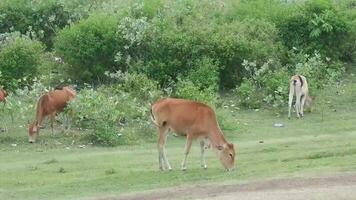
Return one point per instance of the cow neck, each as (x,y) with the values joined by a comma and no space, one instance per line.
(217,138)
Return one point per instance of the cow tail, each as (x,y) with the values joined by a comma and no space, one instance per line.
(39,112)
(154,119)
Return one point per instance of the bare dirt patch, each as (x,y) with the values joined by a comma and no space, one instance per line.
(332,187)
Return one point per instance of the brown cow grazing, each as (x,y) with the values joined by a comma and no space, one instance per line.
(3,95)
(50,104)
(298,87)
(195,120)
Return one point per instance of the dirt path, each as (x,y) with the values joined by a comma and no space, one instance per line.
(323,188)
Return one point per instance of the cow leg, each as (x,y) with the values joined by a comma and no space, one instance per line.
(202,157)
(162,158)
(52,117)
(290,104)
(290,100)
(187,150)
(302,106)
(297,104)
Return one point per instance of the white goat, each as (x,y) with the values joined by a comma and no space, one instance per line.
(298,87)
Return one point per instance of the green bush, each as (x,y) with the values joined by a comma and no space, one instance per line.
(52,71)
(267,83)
(138,86)
(176,41)
(188,90)
(205,74)
(317,25)
(123,118)
(37,20)
(19,59)
(318,70)
(89,113)
(247,94)
(89,47)
(249,39)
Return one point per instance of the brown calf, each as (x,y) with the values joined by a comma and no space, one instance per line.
(195,120)
(50,104)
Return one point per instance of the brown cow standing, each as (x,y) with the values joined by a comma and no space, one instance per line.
(195,120)
(3,95)
(50,104)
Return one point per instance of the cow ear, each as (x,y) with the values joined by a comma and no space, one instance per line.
(231,145)
(220,147)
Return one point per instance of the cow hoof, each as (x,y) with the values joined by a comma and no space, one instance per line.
(184,169)
(204,166)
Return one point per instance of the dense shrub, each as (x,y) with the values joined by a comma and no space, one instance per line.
(21,102)
(247,95)
(177,40)
(317,25)
(117,113)
(132,32)
(249,39)
(19,59)
(138,86)
(52,71)
(267,83)
(319,71)
(204,74)
(188,90)
(96,111)
(89,47)
(37,20)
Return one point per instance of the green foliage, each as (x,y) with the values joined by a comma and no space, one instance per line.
(177,41)
(193,49)
(132,33)
(205,74)
(247,95)
(96,111)
(19,59)
(319,71)
(138,86)
(317,25)
(268,83)
(89,47)
(116,113)
(201,82)
(188,90)
(37,20)
(52,71)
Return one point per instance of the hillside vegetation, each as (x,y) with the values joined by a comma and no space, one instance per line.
(124,55)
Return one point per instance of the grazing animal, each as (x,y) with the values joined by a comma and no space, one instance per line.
(298,87)
(195,120)
(50,104)
(3,95)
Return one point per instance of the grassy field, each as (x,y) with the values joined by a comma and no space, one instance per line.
(58,168)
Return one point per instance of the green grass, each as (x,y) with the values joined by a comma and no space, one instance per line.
(57,168)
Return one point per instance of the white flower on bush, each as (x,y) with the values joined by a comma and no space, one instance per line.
(133,30)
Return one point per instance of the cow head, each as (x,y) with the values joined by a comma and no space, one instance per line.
(33,130)
(70,91)
(226,153)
